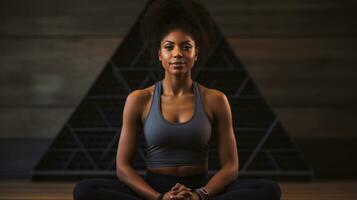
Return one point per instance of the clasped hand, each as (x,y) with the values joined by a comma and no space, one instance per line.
(180,192)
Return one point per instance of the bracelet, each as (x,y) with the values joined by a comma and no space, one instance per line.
(202,193)
(160,197)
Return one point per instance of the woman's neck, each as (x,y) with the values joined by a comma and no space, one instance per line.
(176,87)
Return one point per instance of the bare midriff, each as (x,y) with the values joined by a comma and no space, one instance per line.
(180,170)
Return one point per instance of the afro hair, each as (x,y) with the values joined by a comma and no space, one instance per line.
(190,16)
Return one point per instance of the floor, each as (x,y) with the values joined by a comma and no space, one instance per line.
(317,190)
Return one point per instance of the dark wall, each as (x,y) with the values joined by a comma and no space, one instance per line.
(301,53)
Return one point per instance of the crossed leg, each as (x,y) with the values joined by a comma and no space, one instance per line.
(250,189)
(108,189)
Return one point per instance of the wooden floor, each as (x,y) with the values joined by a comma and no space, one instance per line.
(317,190)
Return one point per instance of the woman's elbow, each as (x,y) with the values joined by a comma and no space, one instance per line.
(121,170)
(233,170)
(118,172)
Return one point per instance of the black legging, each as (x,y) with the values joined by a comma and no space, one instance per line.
(242,189)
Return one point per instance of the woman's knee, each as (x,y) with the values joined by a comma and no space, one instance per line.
(87,188)
(268,189)
(271,189)
(83,189)
(93,188)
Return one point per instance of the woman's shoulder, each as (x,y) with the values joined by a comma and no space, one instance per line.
(213,100)
(211,94)
(140,96)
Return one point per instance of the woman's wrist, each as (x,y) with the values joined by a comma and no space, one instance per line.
(159,197)
(202,193)
(197,195)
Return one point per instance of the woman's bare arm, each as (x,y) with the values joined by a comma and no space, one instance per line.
(227,148)
(127,147)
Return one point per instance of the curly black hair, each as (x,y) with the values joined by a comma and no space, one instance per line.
(190,16)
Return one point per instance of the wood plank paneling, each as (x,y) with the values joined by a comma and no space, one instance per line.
(64,17)
(318,122)
(284,18)
(301,71)
(330,158)
(51,71)
(295,48)
(33,122)
(243,18)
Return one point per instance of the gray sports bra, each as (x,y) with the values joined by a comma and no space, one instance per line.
(175,144)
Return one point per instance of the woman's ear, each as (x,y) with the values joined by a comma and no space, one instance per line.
(196,53)
(159,54)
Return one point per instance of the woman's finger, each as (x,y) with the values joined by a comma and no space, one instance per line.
(181,189)
(176,186)
(185,193)
(179,197)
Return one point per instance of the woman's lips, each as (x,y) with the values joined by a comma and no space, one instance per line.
(178,64)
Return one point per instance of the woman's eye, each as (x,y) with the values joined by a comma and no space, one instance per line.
(186,47)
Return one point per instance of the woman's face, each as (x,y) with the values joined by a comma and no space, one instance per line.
(177,52)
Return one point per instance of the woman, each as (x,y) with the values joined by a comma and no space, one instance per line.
(177,116)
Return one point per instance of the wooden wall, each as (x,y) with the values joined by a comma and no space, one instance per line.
(301,53)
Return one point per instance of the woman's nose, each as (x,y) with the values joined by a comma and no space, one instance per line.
(177,52)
